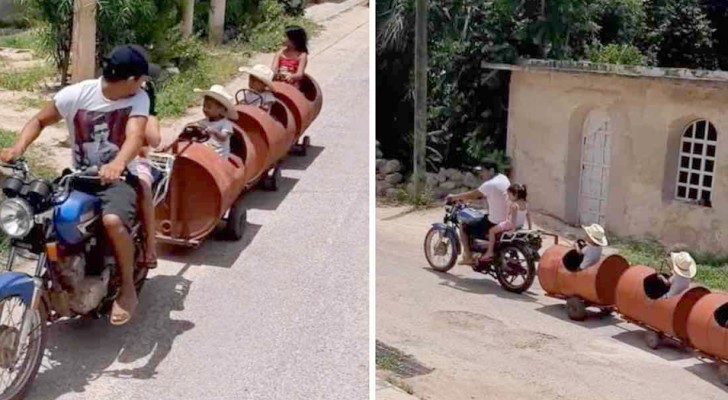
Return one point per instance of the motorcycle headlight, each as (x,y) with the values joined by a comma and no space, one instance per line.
(16,218)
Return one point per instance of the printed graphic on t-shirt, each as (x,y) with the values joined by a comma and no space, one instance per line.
(98,136)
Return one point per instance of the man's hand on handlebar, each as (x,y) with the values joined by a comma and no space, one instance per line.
(9,154)
(111,172)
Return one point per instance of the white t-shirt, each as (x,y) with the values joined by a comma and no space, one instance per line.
(592,254)
(678,284)
(266,97)
(97,125)
(225,128)
(495,191)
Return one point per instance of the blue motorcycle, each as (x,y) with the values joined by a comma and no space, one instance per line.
(75,273)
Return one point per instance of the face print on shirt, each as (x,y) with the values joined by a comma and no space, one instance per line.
(99,136)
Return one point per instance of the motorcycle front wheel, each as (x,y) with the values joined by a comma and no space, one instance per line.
(516,270)
(440,251)
(19,362)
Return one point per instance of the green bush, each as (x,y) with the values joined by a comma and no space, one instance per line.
(625,54)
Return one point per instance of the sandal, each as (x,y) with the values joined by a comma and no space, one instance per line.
(148,264)
(466,262)
(119,316)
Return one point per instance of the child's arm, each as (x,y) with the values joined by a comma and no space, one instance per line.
(274,64)
(514,215)
(301,68)
(528,218)
(152,137)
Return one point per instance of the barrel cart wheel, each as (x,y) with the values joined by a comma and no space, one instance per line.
(723,373)
(301,149)
(271,181)
(236,221)
(576,309)
(652,339)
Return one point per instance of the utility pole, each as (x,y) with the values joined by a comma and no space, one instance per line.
(83,41)
(188,14)
(420,136)
(217,21)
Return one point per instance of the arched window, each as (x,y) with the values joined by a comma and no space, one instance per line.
(697,163)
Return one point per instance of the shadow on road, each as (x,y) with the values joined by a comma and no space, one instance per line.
(214,251)
(708,371)
(484,285)
(81,351)
(667,350)
(301,163)
(594,320)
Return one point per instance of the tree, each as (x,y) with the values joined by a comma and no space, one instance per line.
(188,17)
(217,21)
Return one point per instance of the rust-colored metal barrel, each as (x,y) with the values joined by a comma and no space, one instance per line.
(305,104)
(595,284)
(254,121)
(189,213)
(669,316)
(708,325)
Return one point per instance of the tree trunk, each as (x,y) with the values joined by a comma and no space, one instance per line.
(421,10)
(83,42)
(217,21)
(188,16)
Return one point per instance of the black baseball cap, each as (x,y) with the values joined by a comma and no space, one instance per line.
(126,61)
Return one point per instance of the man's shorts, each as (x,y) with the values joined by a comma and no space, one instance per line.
(118,198)
(479,229)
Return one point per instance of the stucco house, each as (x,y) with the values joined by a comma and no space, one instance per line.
(643,151)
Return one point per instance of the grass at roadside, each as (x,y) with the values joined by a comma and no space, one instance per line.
(26,79)
(712,268)
(22,40)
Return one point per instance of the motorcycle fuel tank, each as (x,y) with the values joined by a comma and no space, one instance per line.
(72,217)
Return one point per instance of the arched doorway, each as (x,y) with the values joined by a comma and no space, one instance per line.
(595,160)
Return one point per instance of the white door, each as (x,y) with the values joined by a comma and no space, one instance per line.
(595,153)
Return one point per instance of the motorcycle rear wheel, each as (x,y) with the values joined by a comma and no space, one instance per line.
(515,258)
(436,240)
(34,350)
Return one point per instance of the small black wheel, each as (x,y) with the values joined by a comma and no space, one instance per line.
(305,144)
(575,309)
(236,222)
(723,374)
(271,181)
(652,339)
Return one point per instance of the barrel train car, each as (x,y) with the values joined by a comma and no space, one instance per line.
(696,319)
(205,188)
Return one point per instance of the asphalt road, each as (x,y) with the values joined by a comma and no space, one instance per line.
(475,341)
(282,314)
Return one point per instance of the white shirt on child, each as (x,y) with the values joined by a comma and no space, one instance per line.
(592,254)
(266,97)
(225,128)
(678,284)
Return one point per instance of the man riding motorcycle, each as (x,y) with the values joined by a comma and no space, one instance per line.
(106,119)
(494,190)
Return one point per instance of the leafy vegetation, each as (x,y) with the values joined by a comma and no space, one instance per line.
(467,105)
(712,268)
(27,39)
(25,79)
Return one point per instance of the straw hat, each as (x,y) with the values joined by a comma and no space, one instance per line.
(219,93)
(683,264)
(596,234)
(261,72)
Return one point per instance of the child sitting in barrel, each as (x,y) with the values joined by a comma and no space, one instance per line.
(219,112)
(591,247)
(260,80)
(289,64)
(684,269)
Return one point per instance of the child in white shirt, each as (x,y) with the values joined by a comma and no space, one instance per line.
(219,113)
(591,248)
(260,81)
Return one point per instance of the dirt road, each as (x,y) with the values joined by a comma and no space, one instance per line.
(282,314)
(483,343)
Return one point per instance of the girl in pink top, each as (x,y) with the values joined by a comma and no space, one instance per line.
(289,64)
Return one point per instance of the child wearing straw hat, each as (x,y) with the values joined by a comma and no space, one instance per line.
(219,110)
(260,80)
(684,270)
(591,247)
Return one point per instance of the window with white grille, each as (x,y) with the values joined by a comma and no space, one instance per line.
(697,163)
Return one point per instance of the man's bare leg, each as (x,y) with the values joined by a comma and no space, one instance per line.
(126,301)
(467,255)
